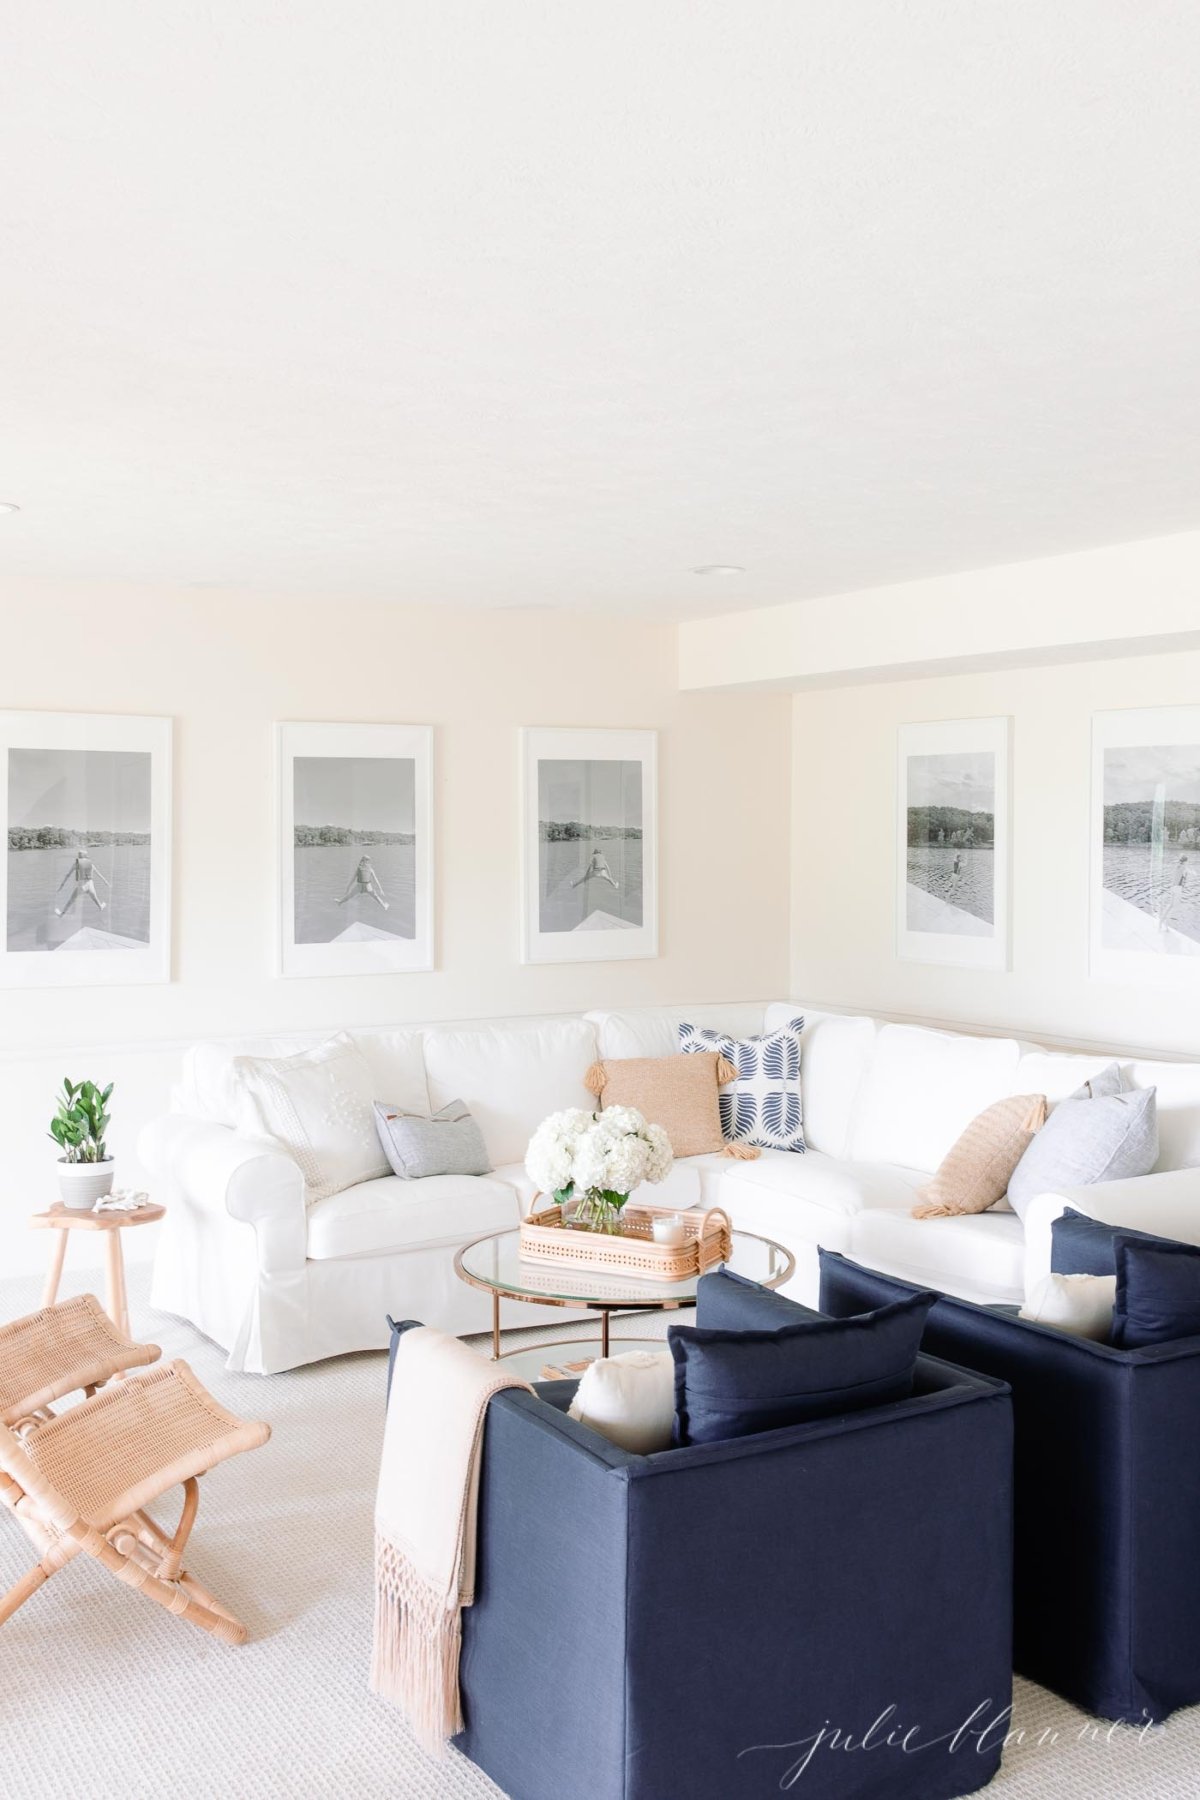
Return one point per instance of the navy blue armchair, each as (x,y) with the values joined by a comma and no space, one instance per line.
(695,1624)
(1106,1606)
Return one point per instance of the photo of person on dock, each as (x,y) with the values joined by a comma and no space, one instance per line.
(950,852)
(589,844)
(85,874)
(1151,823)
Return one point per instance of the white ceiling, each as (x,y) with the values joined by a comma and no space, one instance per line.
(542,303)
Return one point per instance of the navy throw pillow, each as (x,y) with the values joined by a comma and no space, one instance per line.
(731,1384)
(729,1302)
(1083,1246)
(1158,1292)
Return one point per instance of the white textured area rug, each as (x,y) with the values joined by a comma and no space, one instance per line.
(105,1697)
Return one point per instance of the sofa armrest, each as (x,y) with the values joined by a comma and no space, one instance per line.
(248,1179)
(1167,1204)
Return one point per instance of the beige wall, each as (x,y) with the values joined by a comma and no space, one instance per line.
(1117,601)
(843,849)
(226,668)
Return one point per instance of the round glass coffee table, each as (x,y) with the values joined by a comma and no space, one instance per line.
(495,1264)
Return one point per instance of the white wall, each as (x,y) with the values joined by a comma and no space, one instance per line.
(1119,600)
(226,667)
(843,849)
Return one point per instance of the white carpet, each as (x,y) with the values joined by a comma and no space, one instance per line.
(105,1697)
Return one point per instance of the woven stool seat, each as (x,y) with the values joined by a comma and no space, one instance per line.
(128,1444)
(62,1348)
(78,1482)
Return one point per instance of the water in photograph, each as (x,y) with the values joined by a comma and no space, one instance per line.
(324,872)
(34,878)
(931,867)
(1146,878)
(563,906)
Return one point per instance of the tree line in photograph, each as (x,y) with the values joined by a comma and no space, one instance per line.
(62,837)
(555,831)
(1150,821)
(309,836)
(949,825)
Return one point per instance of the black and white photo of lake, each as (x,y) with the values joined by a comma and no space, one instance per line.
(951,828)
(1151,850)
(354,848)
(78,854)
(590,821)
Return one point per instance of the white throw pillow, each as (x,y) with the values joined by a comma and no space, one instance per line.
(1080,1304)
(319,1106)
(629,1399)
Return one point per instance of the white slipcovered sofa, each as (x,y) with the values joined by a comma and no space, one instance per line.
(278,1283)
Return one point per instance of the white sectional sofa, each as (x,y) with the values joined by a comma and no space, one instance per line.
(278,1283)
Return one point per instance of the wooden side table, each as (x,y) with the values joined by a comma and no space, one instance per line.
(63,1219)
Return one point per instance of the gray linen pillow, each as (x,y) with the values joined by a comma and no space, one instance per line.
(1103,1086)
(1085,1141)
(450,1143)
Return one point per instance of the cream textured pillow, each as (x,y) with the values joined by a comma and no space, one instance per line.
(1080,1304)
(629,1399)
(320,1107)
(975,1171)
(680,1093)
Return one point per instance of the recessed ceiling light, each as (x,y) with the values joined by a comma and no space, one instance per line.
(9,506)
(719,569)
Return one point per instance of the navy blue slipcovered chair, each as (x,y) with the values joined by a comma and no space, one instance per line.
(1106,1605)
(691,1625)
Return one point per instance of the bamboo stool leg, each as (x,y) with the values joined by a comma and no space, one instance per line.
(167,1594)
(22,1590)
(58,1256)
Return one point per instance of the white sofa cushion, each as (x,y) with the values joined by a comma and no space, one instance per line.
(378,1218)
(980,1256)
(835,1052)
(821,1181)
(922,1090)
(511,1077)
(654,1030)
(319,1106)
(1057,1074)
(395,1060)
(800,1201)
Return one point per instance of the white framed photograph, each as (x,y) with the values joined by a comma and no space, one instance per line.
(355,809)
(1145,846)
(952,860)
(589,845)
(85,884)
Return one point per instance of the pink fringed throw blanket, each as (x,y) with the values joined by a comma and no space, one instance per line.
(425,1526)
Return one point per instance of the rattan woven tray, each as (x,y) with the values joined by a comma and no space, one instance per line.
(544,1238)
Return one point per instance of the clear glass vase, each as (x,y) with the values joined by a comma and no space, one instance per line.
(596,1210)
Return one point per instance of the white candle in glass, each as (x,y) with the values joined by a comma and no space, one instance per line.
(669,1230)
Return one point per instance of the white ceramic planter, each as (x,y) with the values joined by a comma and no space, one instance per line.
(82,1184)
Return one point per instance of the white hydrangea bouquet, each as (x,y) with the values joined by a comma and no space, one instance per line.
(591,1162)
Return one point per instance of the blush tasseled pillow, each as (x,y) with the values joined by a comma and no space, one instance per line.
(975,1171)
(680,1093)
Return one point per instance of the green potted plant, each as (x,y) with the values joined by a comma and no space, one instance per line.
(85,1169)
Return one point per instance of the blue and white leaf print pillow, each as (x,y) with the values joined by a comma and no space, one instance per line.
(762,1107)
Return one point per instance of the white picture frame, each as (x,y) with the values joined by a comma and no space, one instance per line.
(1144,847)
(375,783)
(591,894)
(953,897)
(85,881)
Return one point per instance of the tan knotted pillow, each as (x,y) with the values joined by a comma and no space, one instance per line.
(975,1171)
(677,1092)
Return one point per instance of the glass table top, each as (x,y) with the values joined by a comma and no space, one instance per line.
(495,1262)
